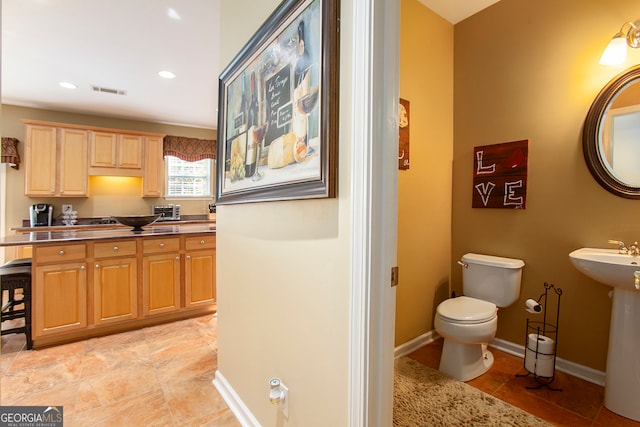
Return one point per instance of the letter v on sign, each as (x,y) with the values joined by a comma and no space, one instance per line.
(485,189)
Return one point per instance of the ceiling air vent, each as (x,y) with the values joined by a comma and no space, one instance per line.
(107,90)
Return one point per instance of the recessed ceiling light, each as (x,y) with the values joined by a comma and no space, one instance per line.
(171,13)
(68,85)
(166,74)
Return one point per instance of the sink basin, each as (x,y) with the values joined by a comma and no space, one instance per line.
(606,266)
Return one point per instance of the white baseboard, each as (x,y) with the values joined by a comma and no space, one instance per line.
(237,406)
(563,365)
(416,343)
(566,366)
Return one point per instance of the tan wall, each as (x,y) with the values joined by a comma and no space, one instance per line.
(283,276)
(424,191)
(529,70)
(107,196)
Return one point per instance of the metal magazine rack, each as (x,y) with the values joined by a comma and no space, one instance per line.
(541,343)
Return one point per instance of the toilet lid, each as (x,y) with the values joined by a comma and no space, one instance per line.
(467,310)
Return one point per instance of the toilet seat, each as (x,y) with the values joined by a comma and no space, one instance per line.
(467,310)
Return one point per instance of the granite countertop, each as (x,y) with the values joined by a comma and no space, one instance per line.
(65,234)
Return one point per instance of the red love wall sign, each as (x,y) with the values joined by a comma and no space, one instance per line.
(500,175)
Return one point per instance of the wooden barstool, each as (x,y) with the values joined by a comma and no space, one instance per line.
(16,276)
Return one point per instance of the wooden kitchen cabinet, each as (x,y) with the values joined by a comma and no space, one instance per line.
(153,178)
(115,282)
(200,271)
(114,153)
(160,275)
(59,289)
(56,161)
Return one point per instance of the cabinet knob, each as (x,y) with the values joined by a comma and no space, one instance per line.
(177,258)
(82,267)
(97,265)
(61,191)
(61,253)
(162,245)
(202,242)
(116,249)
(53,190)
(188,256)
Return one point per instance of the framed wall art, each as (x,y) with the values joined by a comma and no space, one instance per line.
(278,109)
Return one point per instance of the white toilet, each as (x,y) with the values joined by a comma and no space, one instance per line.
(468,323)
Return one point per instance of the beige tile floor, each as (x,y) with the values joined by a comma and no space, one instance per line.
(156,376)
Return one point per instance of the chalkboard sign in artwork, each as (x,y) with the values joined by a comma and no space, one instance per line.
(278,109)
(500,175)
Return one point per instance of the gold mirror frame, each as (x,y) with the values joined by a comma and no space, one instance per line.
(592,133)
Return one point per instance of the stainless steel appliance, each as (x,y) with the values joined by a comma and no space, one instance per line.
(41,214)
(168,212)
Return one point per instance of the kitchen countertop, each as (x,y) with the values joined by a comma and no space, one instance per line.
(64,235)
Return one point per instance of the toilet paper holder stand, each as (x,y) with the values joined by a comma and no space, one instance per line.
(540,359)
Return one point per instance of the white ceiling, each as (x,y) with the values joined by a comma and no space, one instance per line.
(455,11)
(122,45)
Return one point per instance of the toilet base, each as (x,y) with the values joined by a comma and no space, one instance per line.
(465,362)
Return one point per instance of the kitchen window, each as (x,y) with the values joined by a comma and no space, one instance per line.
(186,180)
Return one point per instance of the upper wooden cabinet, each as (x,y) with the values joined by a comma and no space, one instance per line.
(56,161)
(59,158)
(115,154)
(153,178)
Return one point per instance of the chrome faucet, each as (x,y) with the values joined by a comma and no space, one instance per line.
(622,249)
(633,250)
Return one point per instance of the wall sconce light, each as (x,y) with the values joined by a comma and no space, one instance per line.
(616,51)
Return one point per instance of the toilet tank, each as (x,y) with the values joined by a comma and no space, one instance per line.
(492,278)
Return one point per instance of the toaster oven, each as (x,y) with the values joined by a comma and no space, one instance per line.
(168,212)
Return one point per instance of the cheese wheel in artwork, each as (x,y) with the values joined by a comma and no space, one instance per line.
(281,151)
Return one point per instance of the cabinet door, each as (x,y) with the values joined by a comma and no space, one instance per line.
(73,174)
(161,283)
(130,151)
(200,278)
(40,161)
(103,149)
(115,290)
(200,270)
(60,303)
(153,178)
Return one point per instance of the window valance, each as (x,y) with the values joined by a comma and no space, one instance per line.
(189,149)
(9,153)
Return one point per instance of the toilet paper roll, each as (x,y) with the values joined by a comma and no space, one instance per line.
(541,366)
(541,344)
(533,306)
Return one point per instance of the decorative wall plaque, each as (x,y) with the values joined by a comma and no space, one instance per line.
(500,175)
(403,134)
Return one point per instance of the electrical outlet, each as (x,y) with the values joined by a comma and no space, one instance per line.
(284,402)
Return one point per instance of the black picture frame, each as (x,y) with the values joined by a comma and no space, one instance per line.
(278,109)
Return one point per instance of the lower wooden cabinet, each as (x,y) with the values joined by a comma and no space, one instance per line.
(115,282)
(200,271)
(60,298)
(81,290)
(160,276)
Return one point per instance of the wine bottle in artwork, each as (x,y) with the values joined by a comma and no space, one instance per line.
(301,84)
(253,118)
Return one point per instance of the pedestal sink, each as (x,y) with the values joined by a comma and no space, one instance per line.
(622,381)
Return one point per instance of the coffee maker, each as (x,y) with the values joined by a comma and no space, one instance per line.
(41,214)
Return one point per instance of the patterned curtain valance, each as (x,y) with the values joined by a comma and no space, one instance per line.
(189,149)
(9,153)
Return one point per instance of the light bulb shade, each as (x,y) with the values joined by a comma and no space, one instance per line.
(616,51)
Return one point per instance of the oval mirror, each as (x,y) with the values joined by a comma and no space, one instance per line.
(611,135)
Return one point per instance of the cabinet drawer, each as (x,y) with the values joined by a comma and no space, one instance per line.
(200,242)
(116,248)
(60,253)
(152,246)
